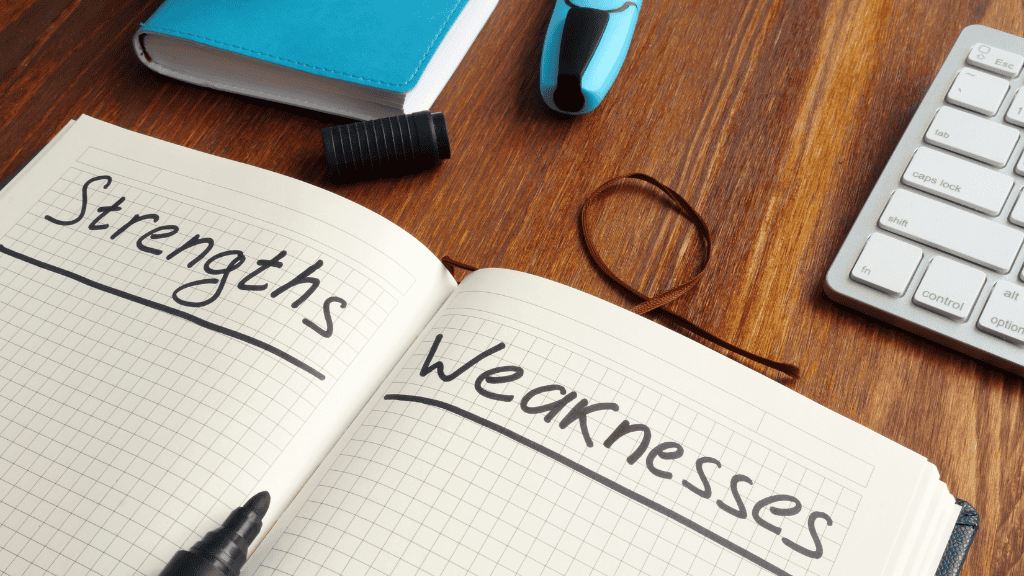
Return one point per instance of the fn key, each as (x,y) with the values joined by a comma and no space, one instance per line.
(887,264)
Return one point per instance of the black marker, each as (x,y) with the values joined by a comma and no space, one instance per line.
(222,551)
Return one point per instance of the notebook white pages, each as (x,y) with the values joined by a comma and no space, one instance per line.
(152,380)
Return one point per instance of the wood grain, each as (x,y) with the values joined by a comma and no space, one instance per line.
(773,117)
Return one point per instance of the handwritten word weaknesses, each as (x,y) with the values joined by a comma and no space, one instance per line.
(553,400)
(219,266)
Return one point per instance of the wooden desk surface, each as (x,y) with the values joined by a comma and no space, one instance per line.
(773,117)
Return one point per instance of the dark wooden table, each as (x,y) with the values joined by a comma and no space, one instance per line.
(773,117)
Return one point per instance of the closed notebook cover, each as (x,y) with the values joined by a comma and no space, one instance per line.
(381,43)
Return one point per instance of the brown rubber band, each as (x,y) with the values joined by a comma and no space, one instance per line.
(658,301)
(450,265)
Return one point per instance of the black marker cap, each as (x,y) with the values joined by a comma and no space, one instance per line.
(392,146)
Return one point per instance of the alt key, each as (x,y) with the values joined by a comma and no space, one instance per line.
(1003,315)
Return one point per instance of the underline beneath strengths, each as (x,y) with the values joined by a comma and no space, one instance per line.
(632,495)
(167,309)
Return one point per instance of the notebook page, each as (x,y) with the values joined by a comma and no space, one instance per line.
(531,455)
(178,332)
(933,535)
(10,183)
(907,562)
(911,524)
(934,547)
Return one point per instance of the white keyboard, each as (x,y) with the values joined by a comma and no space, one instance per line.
(937,247)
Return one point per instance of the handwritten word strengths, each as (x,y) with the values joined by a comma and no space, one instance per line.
(219,266)
(568,408)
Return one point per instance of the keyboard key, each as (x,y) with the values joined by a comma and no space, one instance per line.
(954,188)
(952,230)
(974,137)
(995,60)
(887,264)
(1017,214)
(1015,113)
(959,180)
(950,288)
(974,90)
(1003,314)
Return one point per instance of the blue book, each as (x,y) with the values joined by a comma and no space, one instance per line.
(352,58)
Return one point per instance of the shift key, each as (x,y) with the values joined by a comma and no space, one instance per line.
(952,230)
(972,136)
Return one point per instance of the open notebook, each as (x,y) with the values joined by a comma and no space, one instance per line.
(179,332)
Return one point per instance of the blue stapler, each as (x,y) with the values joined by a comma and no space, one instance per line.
(585,45)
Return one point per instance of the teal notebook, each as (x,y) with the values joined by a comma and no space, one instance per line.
(352,58)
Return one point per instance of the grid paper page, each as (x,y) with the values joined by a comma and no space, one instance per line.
(143,397)
(446,477)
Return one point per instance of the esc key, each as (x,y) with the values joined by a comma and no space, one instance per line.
(995,60)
